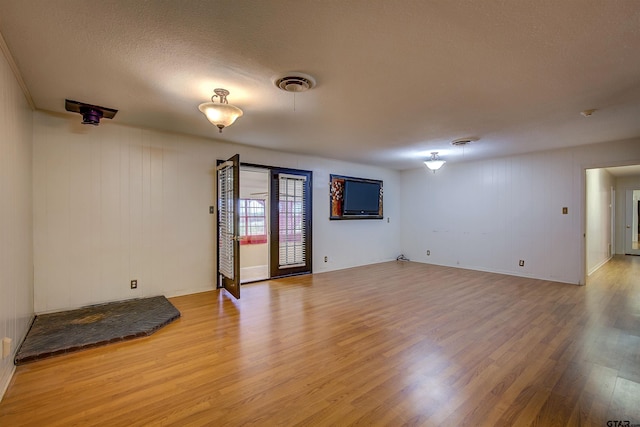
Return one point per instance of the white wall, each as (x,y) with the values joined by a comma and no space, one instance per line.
(114,203)
(599,183)
(488,215)
(16,249)
(622,185)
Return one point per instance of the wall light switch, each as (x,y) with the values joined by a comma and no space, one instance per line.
(565,211)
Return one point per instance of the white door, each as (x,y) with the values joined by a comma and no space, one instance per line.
(631,244)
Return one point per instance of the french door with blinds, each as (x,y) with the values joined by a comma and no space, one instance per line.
(289,218)
(228,177)
(290,234)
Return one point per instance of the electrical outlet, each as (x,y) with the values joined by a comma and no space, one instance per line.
(521,263)
(6,347)
(326,259)
(428,252)
(134,284)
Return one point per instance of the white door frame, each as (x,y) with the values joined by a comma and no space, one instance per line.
(630,223)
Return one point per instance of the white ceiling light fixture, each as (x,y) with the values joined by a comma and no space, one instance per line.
(221,114)
(435,162)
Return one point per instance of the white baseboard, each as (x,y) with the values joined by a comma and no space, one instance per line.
(594,269)
(6,380)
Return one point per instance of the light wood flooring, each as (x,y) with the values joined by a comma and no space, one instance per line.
(394,344)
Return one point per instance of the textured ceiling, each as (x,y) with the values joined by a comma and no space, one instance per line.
(396,79)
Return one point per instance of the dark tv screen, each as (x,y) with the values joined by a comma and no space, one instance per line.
(361,198)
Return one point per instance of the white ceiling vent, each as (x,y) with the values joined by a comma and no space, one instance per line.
(295,82)
(463,141)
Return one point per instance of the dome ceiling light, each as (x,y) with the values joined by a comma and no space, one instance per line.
(435,162)
(221,114)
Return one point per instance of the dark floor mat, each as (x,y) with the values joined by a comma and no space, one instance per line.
(67,331)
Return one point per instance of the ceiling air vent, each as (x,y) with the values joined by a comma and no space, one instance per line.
(463,141)
(295,82)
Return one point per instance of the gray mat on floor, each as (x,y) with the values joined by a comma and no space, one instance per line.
(59,333)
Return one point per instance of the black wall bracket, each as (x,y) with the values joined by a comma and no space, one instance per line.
(91,114)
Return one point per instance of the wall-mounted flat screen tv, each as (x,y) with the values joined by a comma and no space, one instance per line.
(354,198)
(362,198)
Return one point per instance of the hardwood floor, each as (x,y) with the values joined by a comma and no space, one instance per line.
(389,344)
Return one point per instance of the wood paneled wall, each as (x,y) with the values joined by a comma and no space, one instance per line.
(114,203)
(490,214)
(16,225)
(598,214)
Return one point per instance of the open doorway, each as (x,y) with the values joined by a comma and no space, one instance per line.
(264,223)
(254,224)
(612,214)
(599,218)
